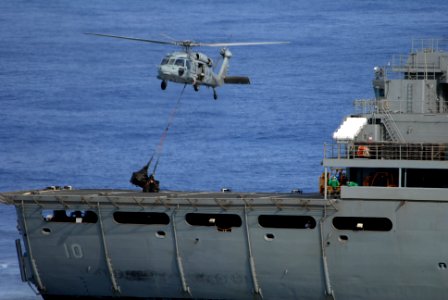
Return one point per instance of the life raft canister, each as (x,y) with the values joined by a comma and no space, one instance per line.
(363,151)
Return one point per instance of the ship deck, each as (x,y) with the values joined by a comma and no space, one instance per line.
(117,198)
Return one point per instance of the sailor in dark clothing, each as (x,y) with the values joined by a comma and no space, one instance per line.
(152,185)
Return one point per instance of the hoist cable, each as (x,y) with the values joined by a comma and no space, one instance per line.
(159,149)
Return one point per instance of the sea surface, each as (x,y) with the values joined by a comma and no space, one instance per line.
(87,111)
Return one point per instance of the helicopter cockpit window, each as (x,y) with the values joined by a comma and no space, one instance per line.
(188,64)
(180,62)
(171,61)
(164,61)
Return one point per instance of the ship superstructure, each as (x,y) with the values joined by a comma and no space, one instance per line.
(377,231)
(399,139)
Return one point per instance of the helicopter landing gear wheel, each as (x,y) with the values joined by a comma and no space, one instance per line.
(163,85)
(215,95)
(196,87)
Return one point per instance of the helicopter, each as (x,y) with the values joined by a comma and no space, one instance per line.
(194,68)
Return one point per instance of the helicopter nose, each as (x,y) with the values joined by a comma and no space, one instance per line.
(163,70)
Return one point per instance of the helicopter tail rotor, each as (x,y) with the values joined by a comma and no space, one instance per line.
(225,53)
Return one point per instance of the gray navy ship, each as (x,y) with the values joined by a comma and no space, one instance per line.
(377,229)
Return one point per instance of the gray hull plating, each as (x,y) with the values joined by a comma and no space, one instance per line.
(179,260)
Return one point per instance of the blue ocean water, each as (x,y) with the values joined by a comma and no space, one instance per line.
(87,111)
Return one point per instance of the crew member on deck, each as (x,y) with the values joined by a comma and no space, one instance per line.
(152,185)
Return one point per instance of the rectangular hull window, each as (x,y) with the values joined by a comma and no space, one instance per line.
(362,223)
(143,218)
(223,222)
(70,216)
(294,222)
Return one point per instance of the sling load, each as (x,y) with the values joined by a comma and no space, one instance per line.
(147,183)
(141,178)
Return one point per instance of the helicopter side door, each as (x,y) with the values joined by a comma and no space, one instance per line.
(190,72)
(180,66)
(185,70)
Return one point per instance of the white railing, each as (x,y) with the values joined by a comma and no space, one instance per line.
(387,151)
(420,44)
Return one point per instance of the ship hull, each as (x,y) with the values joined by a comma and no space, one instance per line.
(277,246)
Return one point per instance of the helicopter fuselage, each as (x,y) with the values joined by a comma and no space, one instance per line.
(188,68)
(196,69)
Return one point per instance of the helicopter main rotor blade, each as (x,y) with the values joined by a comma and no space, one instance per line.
(187,44)
(134,39)
(240,44)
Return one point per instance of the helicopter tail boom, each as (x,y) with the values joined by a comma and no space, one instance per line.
(226,54)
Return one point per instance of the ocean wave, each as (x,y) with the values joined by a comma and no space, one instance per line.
(3,266)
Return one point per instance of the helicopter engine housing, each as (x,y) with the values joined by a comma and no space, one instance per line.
(203,58)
